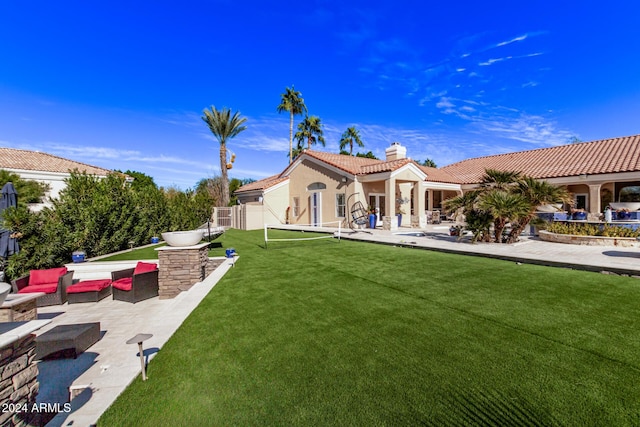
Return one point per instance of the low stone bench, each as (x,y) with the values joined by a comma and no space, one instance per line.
(89,291)
(67,340)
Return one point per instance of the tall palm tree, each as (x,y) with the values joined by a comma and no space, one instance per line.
(292,102)
(349,137)
(310,130)
(224,126)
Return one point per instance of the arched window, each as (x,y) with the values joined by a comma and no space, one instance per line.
(316,186)
(630,194)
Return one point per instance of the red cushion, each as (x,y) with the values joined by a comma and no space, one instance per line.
(144,267)
(40,277)
(47,288)
(123,284)
(89,286)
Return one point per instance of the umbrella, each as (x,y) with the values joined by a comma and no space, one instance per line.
(8,245)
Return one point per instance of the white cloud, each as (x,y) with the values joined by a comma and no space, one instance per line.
(513,40)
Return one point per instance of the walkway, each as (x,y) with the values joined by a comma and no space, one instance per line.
(529,250)
(100,374)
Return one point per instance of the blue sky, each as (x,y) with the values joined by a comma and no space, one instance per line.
(122,85)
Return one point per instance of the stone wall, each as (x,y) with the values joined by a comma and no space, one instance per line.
(181,268)
(18,381)
(572,239)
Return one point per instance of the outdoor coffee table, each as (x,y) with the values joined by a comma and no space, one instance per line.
(67,340)
(20,307)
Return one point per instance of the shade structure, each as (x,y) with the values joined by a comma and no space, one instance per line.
(8,245)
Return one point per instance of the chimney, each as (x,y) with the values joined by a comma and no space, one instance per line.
(395,152)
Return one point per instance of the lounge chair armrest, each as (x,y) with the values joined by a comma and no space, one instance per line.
(148,280)
(120,274)
(19,283)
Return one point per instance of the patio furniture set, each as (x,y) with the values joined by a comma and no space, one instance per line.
(55,286)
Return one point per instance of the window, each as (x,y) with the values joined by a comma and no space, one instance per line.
(316,186)
(296,207)
(340,205)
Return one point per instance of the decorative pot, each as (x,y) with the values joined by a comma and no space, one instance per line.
(579,216)
(372,220)
(183,238)
(155,239)
(399,220)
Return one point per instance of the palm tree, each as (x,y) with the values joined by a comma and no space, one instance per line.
(310,130)
(536,193)
(504,206)
(292,102)
(224,126)
(349,137)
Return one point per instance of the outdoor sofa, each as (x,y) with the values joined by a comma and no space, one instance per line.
(53,282)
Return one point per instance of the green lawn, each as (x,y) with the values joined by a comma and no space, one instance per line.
(327,333)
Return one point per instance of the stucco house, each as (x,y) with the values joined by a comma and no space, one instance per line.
(46,168)
(319,187)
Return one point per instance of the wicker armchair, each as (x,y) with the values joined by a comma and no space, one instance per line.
(135,284)
(33,282)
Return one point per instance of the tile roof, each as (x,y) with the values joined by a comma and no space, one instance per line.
(350,164)
(439,175)
(262,184)
(11,158)
(591,158)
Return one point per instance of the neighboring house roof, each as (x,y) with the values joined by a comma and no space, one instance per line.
(11,158)
(262,184)
(591,158)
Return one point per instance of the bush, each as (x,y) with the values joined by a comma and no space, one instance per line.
(605,230)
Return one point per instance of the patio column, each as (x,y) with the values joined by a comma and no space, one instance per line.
(389,222)
(418,203)
(594,199)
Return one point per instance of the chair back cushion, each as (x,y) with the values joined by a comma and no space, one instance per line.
(41,277)
(145,267)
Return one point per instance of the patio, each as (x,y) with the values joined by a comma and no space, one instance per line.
(102,372)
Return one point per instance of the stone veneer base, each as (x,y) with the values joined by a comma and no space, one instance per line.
(180,268)
(625,242)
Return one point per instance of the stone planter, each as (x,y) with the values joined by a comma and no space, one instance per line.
(572,239)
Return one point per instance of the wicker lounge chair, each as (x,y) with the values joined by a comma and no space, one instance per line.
(135,284)
(53,282)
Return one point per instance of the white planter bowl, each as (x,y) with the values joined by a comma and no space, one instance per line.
(632,206)
(5,288)
(550,208)
(183,238)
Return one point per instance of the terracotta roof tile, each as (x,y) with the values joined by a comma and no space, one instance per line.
(11,158)
(438,175)
(591,158)
(350,164)
(262,184)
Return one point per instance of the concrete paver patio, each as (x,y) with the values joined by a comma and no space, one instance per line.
(101,373)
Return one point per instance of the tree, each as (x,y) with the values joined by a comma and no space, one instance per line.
(292,102)
(536,193)
(310,130)
(367,155)
(28,191)
(504,197)
(349,137)
(224,126)
(429,163)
